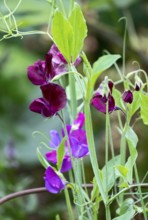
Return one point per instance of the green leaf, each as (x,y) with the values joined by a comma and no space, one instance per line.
(135,105)
(79,27)
(132,140)
(131,137)
(126,211)
(111,174)
(102,64)
(122,170)
(69,33)
(144,108)
(60,153)
(118,100)
(63,35)
(42,160)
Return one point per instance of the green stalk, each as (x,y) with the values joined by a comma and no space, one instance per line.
(73,101)
(69,206)
(140,192)
(106,145)
(91,146)
(107,208)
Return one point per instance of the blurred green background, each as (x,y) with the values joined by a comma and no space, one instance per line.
(19,166)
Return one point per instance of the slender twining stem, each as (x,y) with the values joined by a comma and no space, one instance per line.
(43,189)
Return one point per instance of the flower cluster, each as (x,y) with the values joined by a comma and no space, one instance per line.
(41,73)
(75,147)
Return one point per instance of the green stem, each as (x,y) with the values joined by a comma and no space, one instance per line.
(70,212)
(140,191)
(106,147)
(92,151)
(73,101)
(108,215)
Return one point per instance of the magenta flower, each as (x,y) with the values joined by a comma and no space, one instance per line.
(127,96)
(53,100)
(53,183)
(102,96)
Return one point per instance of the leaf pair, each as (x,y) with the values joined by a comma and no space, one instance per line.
(69,33)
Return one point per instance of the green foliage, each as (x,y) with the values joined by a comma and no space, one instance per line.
(102,64)
(144,108)
(60,153)
(42,159)
(109,174)
(126,211)
(68,33)
(132,140)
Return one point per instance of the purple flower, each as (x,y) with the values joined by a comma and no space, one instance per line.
(102,96)
(66,163)
(42,72)
(127,96)
(36,72)
(53,183)
(77,140)
(54,99)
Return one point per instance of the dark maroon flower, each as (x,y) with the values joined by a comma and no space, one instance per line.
(127,96)
(102,96)
(36,72)
(99,103)
(54,99)
(42,72)
(137,87)
(53,183)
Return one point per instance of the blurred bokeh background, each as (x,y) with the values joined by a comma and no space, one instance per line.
(19,166)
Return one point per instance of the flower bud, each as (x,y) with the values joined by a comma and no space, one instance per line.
(127,96)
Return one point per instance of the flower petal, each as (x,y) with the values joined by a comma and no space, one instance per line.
(55,139)
(52,156)
(55,95)
(99,103)
(40,106)
(79,121)
(36,72)
(53,182)
(78,150)
(66,164)
(127,96)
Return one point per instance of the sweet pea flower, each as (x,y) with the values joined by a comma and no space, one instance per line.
(53,183)
(102,96)
(53,100)
(77,140)
(127,96)
(43,71)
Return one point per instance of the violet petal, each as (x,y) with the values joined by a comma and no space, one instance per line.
(55,139)
(78,150)
(52,156)
(79,121)
(53,182)
(66,164)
